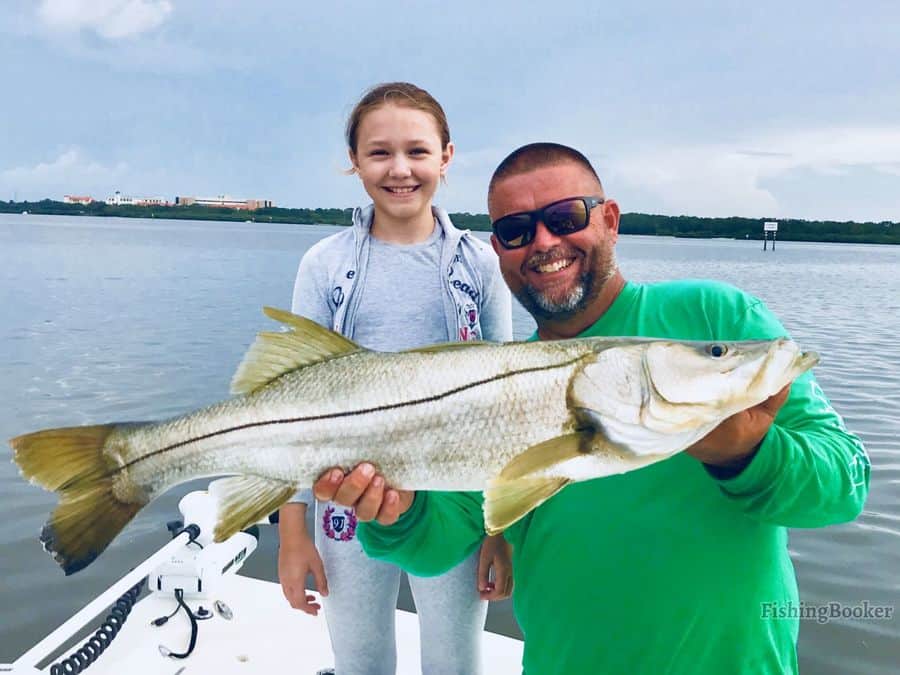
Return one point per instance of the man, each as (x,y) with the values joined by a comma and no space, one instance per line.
(669,569)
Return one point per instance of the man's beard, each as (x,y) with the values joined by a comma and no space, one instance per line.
(581,295)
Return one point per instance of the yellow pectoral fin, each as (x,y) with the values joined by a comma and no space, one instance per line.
(243,500)
(506,502)
(274,354)
(528,480)
(538,458)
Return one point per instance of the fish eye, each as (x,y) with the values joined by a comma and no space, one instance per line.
(716,350)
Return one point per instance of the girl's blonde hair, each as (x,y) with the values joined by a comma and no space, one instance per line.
(401,94)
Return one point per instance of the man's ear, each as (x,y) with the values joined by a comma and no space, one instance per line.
(496,244)
(611,215)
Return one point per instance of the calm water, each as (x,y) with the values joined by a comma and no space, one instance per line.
(109,319)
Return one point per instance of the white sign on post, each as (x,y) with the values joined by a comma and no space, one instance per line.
(770,227)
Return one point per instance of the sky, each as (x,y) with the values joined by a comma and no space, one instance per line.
(718,108)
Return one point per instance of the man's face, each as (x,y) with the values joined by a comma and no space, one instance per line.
(556,277)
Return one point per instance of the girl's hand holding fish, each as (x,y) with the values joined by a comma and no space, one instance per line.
(364,490)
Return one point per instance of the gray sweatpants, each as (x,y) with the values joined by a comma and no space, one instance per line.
(362,599)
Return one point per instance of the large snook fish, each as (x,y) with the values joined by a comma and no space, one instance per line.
(519,421)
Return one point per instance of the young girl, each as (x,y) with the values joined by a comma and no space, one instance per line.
(401,277)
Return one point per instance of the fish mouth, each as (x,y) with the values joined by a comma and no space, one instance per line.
(807,360)
(799,362)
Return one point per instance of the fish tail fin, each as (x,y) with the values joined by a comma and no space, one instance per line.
(75,462)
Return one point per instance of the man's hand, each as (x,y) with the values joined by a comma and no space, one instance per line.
(294,562)
(732,444)
(365,491)
(496,555)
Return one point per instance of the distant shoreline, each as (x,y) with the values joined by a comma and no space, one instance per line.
(631,223)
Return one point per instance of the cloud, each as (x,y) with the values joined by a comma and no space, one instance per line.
(111,19)
(762,153)
(719,180)
(70,173)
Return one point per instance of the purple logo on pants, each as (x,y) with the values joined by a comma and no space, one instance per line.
(339,526)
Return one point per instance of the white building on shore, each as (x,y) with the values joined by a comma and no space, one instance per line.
(119,199)
(225,202)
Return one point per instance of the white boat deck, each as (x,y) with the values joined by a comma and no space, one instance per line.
(265,635)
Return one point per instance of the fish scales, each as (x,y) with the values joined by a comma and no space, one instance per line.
(518,421)
(433,421)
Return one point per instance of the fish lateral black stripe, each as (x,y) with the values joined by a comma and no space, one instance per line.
(349,413)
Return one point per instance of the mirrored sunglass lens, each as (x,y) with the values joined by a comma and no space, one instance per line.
(566,217)
(514,230)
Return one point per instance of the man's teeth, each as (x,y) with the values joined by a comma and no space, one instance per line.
(554,266)
(401,190)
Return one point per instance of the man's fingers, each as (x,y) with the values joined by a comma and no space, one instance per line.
(488,592)
(497,590)
(500,587)
(508,588)
(773,403)
(484,570)
(505,581)
(501,572)
(486,561)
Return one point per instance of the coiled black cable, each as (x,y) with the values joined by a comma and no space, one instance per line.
(94,646)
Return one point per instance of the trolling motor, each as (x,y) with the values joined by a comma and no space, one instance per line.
(190,566)
(197,568)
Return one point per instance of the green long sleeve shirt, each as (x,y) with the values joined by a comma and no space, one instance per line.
(664,569)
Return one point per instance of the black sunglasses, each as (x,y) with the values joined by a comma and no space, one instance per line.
(561,218)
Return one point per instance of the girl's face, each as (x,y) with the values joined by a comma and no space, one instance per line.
(400,162)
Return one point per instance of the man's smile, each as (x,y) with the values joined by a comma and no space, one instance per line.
(555,266)
(550,264)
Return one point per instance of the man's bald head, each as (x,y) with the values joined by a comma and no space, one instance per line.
(537,156)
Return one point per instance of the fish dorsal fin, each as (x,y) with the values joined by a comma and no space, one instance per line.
(449,347)
(274,354)
(243,500)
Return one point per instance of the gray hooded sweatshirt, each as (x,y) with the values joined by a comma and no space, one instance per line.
(476,303)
